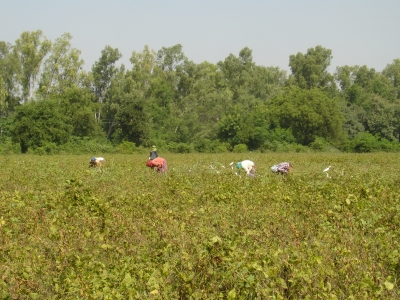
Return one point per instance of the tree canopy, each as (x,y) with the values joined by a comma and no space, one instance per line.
(164,97)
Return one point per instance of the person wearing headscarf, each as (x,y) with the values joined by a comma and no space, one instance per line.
(247,166)
(96,161)
(159,163)
(282,168)
(153,153)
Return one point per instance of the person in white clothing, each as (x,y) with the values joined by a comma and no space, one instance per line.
(96,161)
(247,166)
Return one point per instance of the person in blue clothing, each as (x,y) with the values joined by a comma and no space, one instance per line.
(153,153)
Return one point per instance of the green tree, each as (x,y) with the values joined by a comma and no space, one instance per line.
(310,70)
(133,123)
(3,97)
(103,72)
(40,122)
(267,82)
(143,64)
(308,114)
(78,106)
(62,68)
(168,59)
(30,49)
(354,119)
(238,73)
(382,118)
(392,71)
(9,72)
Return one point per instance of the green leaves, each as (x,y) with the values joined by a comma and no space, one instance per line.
(127,233)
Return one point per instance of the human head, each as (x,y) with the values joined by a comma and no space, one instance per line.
(274,168)
(153,148)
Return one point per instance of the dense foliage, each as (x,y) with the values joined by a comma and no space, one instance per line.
(165,98)
(199,231)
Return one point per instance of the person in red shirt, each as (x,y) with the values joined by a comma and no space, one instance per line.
(159,163)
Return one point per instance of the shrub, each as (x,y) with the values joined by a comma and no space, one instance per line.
(240,148)
(126,148)
(180,148)
(364,142)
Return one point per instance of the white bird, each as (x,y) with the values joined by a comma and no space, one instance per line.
(327,169)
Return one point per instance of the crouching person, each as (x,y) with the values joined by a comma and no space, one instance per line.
(247,166)
(282,168)
(96,162)
(159,163)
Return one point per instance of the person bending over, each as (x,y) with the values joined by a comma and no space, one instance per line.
(247,166)
(282,168)
(159,163)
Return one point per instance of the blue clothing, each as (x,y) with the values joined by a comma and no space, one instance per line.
(153,155)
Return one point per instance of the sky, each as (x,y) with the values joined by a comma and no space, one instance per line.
(358,32)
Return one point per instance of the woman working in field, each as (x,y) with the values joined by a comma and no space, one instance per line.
(159,163)
(153,153)
(96,161)
(282,168)
(247,166)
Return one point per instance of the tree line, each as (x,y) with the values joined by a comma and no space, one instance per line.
(48,101)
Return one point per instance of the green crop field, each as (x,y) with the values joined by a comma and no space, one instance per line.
(199,231)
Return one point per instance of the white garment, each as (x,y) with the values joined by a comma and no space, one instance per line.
(248,166)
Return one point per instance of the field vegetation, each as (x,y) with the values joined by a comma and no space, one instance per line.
(199,231)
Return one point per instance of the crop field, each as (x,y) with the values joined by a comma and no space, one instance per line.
(200,231)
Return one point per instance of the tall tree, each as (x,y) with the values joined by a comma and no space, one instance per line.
(310,70)
(9,72)
(238,73)
(103,71)
(30,49)
(392,71)
(168,59)
(143,64)
(61,69)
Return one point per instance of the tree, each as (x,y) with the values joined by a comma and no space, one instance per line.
(310,70)
(3,97)
(30,50)
(392,71)
(9,72)
(238,72)
(61,69)
(382,118)
(354,119)
(143,65)
(267,82)
(40,122)
(77,104)
(168,59)
(132,121)
(103,72)
(308,114)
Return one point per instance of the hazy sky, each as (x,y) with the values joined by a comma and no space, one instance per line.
(358,32)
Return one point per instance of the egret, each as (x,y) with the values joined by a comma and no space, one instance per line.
(327,169)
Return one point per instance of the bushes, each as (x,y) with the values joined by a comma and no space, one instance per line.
(365,142)
(180,148)
(240,148)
